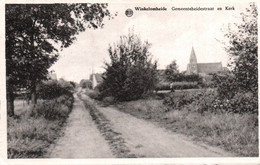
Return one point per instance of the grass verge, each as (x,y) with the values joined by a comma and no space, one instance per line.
(29,134)
(237,133)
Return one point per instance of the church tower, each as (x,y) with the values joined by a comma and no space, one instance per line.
(192,66)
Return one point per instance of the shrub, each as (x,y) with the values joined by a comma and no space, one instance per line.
(53,89)
(57,109)
(204,101)
(85,84)
(209,100)
(178,101)
(94,94)
(131,73)
(163,86)
(226,84)
(240,103)
(108,100)
(176,85)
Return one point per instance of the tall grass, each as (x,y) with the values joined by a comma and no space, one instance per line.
(30,134)
(234,132)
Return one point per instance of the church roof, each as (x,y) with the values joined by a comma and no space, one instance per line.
(209,67)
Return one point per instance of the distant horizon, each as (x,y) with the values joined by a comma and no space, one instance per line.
(171,33)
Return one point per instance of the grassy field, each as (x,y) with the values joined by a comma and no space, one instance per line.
(237,133)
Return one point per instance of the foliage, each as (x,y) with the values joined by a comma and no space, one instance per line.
(240,103)
(30,134)
(204,101)
(180,77)
(33,30)
(177,85)
(53,89)
(85,84)
(237,133)
(243,50)
(57,109)
(210,101)
(94,94)
(190,77)
(178,101)
(172,72)
(131,73)
(108,100)
(226,84)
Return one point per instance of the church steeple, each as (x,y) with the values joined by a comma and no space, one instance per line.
(193,59)
(192,67)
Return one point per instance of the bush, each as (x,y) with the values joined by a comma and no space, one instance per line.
(53,89)
(85,84)
(177,101)
(108,100)
(93,94)
(226,84)
(240,103)
(210,101)
(131,73)
(176,85)
(204,101)
(57,109)
(163,86)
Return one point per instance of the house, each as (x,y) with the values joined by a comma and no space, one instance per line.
(202,69)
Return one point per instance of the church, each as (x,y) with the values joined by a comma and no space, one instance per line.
(202,69)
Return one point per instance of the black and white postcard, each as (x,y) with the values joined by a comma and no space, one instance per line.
(132,82)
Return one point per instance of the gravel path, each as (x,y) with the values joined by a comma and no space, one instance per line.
(81,137)
(145,139)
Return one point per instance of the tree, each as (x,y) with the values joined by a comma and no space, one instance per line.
(85,84)
(32,33)
(131,73)
(172,71)
(172,74)
(242,48)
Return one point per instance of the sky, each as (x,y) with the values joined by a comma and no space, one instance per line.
(171,33)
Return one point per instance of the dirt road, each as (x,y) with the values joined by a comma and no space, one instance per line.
(81,137)
(145,139)
(84,138)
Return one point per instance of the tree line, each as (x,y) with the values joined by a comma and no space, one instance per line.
(34,35)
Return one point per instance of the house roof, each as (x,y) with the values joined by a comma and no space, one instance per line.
(209,67)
